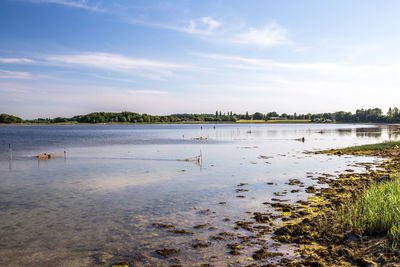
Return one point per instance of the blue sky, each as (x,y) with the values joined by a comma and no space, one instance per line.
(69,57)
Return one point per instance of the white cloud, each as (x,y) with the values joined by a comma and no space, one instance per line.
(15,60)
(5,74)
(111,62)
(256,64)
(83,4)
(202,26)
(271,35)
(150,92)
(212,23)
(152,69)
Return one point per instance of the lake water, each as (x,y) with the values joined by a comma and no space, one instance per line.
(97,205)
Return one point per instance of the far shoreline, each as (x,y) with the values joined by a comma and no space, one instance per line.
(193,122)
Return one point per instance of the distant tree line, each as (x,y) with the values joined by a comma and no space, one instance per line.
(5,118)
(361,115)
(131,117)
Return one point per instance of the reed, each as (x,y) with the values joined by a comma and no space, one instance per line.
(377,211)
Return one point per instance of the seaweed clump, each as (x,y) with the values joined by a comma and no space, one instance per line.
(263,253)
(167,252)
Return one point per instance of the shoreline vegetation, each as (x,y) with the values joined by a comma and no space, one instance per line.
(360,116)
(353,221)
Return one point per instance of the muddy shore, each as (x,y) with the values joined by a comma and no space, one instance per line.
(312,226)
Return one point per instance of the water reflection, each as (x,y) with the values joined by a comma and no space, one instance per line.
(99,206)
(394,131)
(374,132)
(344,131)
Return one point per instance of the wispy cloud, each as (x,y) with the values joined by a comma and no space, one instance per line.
(117,63)
(105,61)
(272,34)
(6,74)
(257,64)
(202,26)
(205,25)
(16,60)
(84,4)
(150,92)
(110,61)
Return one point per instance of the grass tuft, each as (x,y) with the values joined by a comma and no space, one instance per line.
(377,211)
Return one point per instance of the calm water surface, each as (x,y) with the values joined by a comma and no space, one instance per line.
(97,205)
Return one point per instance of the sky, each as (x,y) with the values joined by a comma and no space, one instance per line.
(70,57)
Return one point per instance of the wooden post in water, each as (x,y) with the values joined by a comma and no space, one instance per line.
(10,150)
(10,156)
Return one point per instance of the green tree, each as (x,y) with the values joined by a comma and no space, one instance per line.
(5,118)
(258,116)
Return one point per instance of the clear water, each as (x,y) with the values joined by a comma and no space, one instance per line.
(97,205)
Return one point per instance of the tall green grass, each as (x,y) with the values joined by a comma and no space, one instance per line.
(377,211)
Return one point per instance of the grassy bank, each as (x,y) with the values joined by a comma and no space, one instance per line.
(377,211)
(379,146)
(355,221)
(364,149)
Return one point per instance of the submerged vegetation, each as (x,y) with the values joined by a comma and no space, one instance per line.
(360,116)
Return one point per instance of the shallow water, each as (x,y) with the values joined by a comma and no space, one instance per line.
(97,205)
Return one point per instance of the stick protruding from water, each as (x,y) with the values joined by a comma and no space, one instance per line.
(10,150)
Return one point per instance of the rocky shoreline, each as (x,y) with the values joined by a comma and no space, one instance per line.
(323,239)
